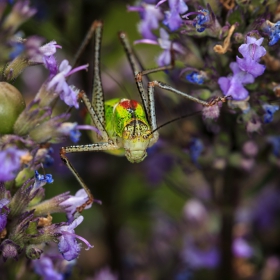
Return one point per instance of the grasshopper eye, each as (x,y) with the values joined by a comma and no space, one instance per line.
(147,135)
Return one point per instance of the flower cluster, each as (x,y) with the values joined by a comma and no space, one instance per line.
(176,26)
(230,52)
(26,223)
(27,131)
(245,70)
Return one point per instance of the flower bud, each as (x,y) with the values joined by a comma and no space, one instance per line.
(9,249)
(11,105)
(211,112)
(20,12)
(23,176)
(15,68)
(33,252)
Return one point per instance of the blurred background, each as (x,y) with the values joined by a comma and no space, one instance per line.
(182,213)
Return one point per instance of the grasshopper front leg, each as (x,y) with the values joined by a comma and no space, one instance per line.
(84,148)
(108,144)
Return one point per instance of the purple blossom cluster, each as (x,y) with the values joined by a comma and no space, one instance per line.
(26,226)
(245,69)
(222,50)
(28,229)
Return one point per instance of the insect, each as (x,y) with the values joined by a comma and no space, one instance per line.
(122,123)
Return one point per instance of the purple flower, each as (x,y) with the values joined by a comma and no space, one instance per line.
(51,64)
(22,8)
(150,17)
(59,85)
(167,45)
(252,51)
(233,85)
(198,258)
(241,248)
(10,161)
(275,142)
(195,78)
(211,112)
(201,21)
(38,54)
(269,112)
(205,18)
(45,268)
(273,30)
(165,57)
(72,130)
(10,250)
(173,17)
(68,245)
(195,149)
(75,201)
(20,12)
(3,216)
(41,180)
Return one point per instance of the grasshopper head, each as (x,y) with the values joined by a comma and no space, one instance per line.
(136,140)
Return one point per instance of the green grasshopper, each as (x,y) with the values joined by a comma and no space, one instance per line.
(122,123)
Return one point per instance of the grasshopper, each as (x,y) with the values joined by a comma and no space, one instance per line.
(122,123)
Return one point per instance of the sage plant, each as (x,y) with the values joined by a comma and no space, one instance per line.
(221,49)
(27,131)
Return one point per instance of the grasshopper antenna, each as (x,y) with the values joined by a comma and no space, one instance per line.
(174,120)
(210,103)
(121,86)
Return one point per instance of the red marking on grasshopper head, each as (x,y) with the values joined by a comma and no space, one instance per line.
(129,104)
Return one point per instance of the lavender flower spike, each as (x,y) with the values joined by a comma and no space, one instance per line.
(252,51)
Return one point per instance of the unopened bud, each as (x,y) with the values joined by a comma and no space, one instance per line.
(33,252)
(9,249)
(11,105)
